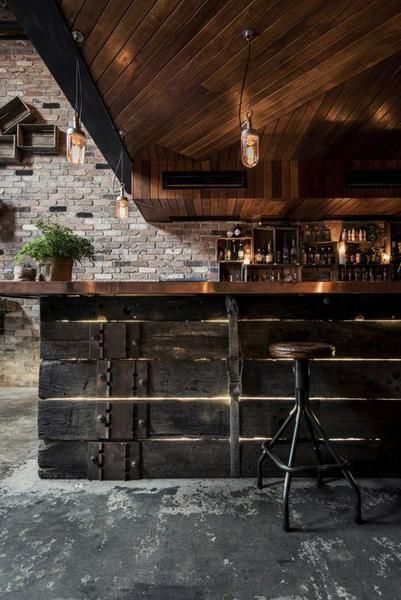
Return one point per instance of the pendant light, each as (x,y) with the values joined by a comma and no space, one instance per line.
(249,136)
(122,202)
(76,138)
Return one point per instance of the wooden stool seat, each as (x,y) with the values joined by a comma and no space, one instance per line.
(301,350)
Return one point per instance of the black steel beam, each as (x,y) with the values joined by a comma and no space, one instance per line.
(45,26)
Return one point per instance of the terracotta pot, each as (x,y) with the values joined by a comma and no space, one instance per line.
(57,269)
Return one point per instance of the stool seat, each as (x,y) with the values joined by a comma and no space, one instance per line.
(301,350)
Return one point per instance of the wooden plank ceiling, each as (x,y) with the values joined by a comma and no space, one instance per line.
(324,83)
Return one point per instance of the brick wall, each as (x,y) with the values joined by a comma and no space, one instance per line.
(82,198)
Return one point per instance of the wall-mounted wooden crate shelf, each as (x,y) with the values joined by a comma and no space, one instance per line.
(38,138)
(12,113)
(9,153)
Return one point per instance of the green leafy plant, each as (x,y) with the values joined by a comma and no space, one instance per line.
(56,241)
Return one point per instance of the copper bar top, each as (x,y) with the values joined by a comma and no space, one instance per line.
(33,289)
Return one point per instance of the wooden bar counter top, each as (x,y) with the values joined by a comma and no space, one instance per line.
(174,379)
(20,289)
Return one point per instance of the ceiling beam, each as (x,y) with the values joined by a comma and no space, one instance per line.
(45,26)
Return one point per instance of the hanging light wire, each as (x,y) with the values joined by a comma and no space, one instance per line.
(244,81)
(78,88)
(120,162)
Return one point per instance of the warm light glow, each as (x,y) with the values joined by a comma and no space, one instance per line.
(122,204)
(75,143)
(249,144)
(385,258)
(122,208)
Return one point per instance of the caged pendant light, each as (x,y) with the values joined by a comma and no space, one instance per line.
(249,136)
(76,138)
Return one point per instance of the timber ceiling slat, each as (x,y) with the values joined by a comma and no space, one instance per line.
(87,17)
(103,28)
(335,69)
(279,68)
(126,28)
(206,52)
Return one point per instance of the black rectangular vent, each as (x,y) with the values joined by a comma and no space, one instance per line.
(181,180)
(373,179)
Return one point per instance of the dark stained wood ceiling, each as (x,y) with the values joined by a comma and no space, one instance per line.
(324,78)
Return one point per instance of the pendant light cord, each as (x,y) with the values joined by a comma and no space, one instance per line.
(120,163)
(243,83)
(78,88)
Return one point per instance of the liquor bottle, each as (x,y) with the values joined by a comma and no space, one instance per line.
(353,234)
(293,252)
(307,234)
(286,253)
(237,231)
(240,253)
(234,255)
(304,255)
(247,253)
(279,256)
(360,235)
(344,235)
(221,252)
(264,252)
(317,255)
(269,255)
(227,252)
(259,257)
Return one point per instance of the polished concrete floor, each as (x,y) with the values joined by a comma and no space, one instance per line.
(185,540)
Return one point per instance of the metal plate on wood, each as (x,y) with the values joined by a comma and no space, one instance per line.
(114,461)
(133,340)
(114,420)
(107,340)
(141,419)
(140,388)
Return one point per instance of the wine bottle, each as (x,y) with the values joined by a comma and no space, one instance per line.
(269,255)
(286,254)
(293,252)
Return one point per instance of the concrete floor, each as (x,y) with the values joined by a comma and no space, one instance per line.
(185,540)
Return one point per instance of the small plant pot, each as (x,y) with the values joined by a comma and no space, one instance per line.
(57,269)
(22,273)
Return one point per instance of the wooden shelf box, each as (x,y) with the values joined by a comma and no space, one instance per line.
(38,138)
(9,153)
(12,113)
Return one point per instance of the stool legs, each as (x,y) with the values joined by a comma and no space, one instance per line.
(288,475)
(271,444)
(339,460)
(302,410)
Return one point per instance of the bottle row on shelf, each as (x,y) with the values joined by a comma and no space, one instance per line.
(354,255)
(235,250)
(364,273)
(283,255)
(319,256)
(354,234)
(316,232)
(283,274)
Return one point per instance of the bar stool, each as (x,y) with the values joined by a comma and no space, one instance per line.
(301,353)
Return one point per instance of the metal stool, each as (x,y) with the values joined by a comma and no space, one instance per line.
(301,352)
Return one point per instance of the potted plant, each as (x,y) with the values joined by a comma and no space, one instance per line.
(56,250)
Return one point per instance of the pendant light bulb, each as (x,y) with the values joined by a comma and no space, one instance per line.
(122,204)
(249,143)
(75,142)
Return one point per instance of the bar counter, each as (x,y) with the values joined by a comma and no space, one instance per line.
(19,289)
(173,379)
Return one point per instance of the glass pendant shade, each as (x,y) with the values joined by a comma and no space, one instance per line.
(249,145)
(122,205)
(75,143)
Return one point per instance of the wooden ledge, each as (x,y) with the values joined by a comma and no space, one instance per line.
(33,289)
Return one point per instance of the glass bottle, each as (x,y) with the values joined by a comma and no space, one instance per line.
(293,252)
(227,253)
(241,252)
(269,255)
(286,253)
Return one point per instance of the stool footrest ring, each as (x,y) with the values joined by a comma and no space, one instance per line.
(321,467)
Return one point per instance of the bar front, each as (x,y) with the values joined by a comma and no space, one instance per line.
(167,380)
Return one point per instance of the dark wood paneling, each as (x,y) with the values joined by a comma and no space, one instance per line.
(352,339)
(170,308)
(185,378)
(60,340)
(159,459)
(76,419)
